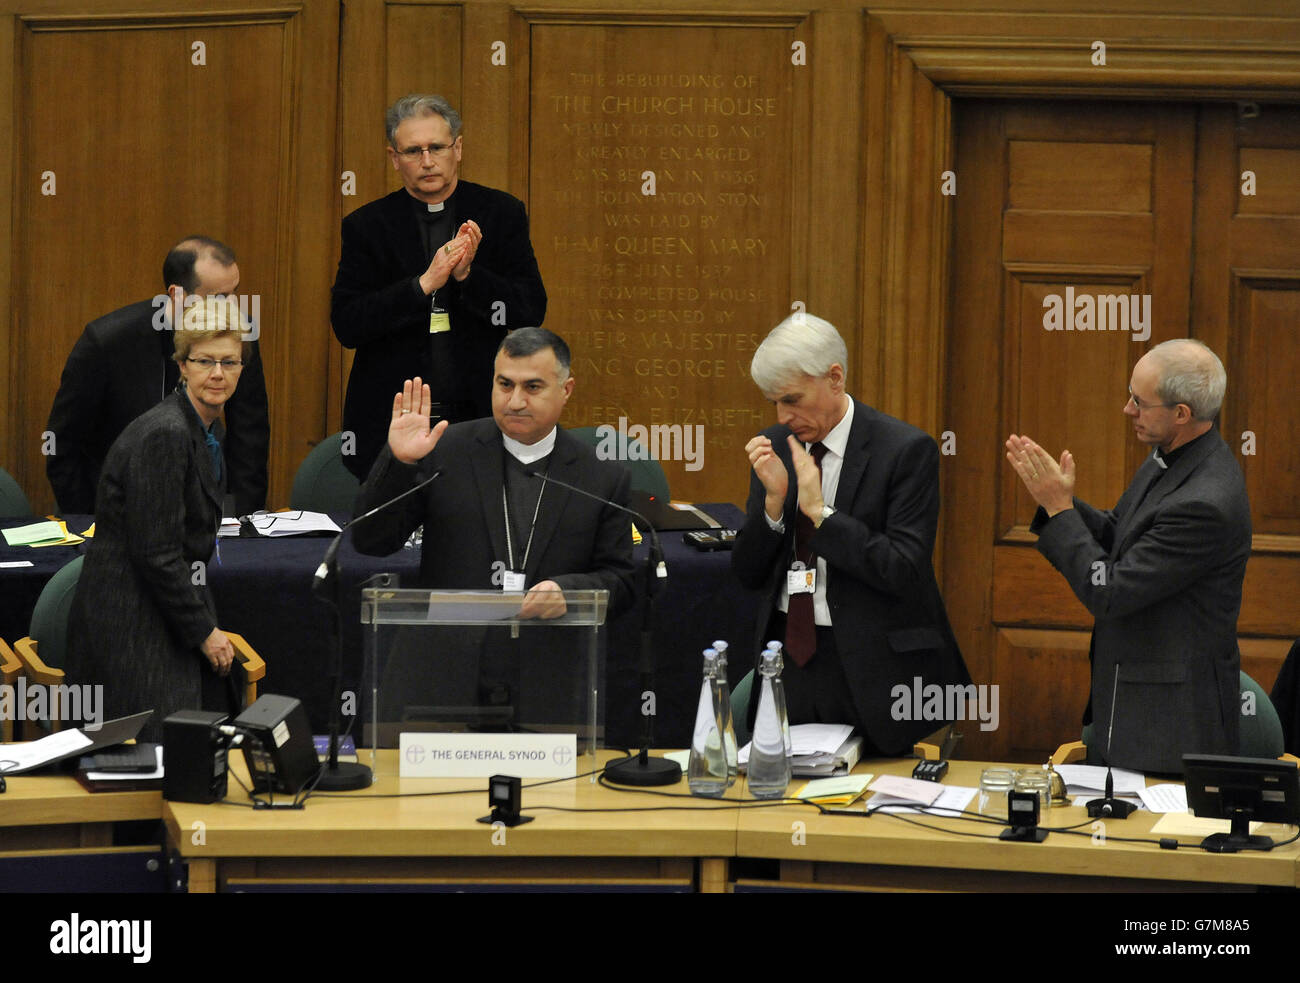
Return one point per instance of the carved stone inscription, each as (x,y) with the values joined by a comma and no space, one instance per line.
(660,207)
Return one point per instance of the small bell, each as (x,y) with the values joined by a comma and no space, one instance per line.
(1056,786)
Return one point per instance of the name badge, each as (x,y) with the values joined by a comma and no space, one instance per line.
(801,580)
(512,581)
(439,321)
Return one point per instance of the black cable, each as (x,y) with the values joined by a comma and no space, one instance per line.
(455,791)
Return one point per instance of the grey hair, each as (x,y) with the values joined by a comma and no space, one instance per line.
(416,106)
(800,345)
(1190,373)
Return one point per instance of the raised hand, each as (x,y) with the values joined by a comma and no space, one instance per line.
(409,436)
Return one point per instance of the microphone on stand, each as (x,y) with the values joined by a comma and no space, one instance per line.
(349,775)
(1109,807)
(639,769)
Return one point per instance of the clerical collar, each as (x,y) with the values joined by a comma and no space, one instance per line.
(1165,460)
(435,207)
(529,453)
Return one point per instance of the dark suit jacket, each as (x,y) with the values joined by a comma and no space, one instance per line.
(889,620)
(120,367)
(579,543)
(1163,580)
(378,309)
(139,617)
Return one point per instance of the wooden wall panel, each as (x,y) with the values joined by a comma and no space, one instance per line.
(872,241)
(1041,704)
(188,145)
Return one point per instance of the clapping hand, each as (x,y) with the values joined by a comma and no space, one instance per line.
(449,257)
(771,472)
(471,235)
(1049,482)
(809,478)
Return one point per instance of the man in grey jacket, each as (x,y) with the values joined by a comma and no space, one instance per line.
(1162,572)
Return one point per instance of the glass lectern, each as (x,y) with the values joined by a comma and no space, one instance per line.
(474,661)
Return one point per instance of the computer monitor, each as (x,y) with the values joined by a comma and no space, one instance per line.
(1243,790)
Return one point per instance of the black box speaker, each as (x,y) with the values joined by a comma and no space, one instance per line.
(277,744)
(194,757)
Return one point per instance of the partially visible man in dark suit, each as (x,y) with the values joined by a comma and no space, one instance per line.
(1162,572)
(122,365)
(430,279)
(490,525)
(872,621)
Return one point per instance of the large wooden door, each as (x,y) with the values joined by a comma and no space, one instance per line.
(1129,204)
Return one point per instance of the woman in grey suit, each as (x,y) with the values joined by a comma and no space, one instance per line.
(143,622)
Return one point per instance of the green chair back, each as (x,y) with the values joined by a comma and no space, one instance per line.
(50,616)
(647,473)
(1260,733)
(322,483)
(1261,730)
(13,503)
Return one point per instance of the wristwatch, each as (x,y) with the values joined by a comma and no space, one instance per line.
(827,512)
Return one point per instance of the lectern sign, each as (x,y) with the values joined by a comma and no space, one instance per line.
(439,755)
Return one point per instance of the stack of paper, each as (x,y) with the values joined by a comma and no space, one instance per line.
(291,523)
(834,791)
(897,794)
(50,533)
(1086,782)
(819,750)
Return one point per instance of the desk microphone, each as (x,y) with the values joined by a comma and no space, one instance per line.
(348,775)
(639,769)
(325,583)
(1110,807)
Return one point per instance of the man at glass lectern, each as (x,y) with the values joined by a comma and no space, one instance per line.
(490,521)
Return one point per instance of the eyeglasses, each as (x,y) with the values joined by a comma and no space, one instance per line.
(413,154)
(1140,406)
(208,364)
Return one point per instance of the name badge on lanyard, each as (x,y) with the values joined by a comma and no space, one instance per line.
(800,579)
(512,581)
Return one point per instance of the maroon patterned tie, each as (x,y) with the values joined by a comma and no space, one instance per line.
(800,623)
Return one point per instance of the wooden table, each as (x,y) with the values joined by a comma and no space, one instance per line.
(884,853)
(361,839)
(51,811)
(56,836)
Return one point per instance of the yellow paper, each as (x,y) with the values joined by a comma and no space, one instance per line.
(835,791)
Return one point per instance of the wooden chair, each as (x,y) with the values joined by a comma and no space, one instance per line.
(10,667)
(41,660)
